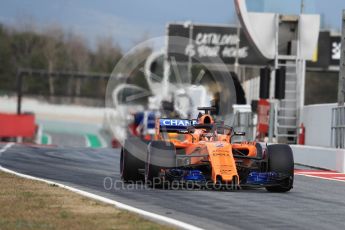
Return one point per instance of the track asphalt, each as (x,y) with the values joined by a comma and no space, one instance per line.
(314,203)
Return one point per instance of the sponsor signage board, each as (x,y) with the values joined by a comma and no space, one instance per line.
(211,44)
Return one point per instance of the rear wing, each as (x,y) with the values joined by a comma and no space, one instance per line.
(173,125)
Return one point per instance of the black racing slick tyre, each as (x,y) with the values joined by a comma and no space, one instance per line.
(280,160)
(133,155)
(160,155)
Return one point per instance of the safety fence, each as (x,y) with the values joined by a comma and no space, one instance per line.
(338,127)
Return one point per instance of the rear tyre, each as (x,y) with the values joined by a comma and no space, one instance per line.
(133,155)
(160,155)
(280,160)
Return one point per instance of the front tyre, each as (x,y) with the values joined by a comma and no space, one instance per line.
(280,160)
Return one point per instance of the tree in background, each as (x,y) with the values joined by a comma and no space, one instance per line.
(107,54)
(54,50)
(104,59)
(52,44)
(5,60)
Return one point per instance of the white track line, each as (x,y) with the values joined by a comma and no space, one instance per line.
(318,177)
(49,137)
(141,212)
(39,134)
(6,147)
(316,173)
(103,142)
(87,141)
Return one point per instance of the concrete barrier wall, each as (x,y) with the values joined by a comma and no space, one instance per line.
(317,120)
(45,111)
(321,157)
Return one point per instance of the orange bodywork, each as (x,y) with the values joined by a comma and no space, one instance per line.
(216,150)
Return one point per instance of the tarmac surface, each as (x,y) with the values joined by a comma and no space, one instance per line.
(312,204)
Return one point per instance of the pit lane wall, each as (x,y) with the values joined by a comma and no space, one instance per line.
(317,151)
(46,111)
(320,157)
(317,120)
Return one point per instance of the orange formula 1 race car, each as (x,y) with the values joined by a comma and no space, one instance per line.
(201,153)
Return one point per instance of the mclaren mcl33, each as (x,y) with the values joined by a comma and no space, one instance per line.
(201,152)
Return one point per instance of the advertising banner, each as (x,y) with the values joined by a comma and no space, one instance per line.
(211,44)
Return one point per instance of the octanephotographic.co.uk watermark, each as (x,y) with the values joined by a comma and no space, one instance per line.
(114,184)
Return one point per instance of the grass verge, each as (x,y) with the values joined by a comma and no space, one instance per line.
(28,204)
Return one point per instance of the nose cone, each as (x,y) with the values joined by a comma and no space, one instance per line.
(222,161)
